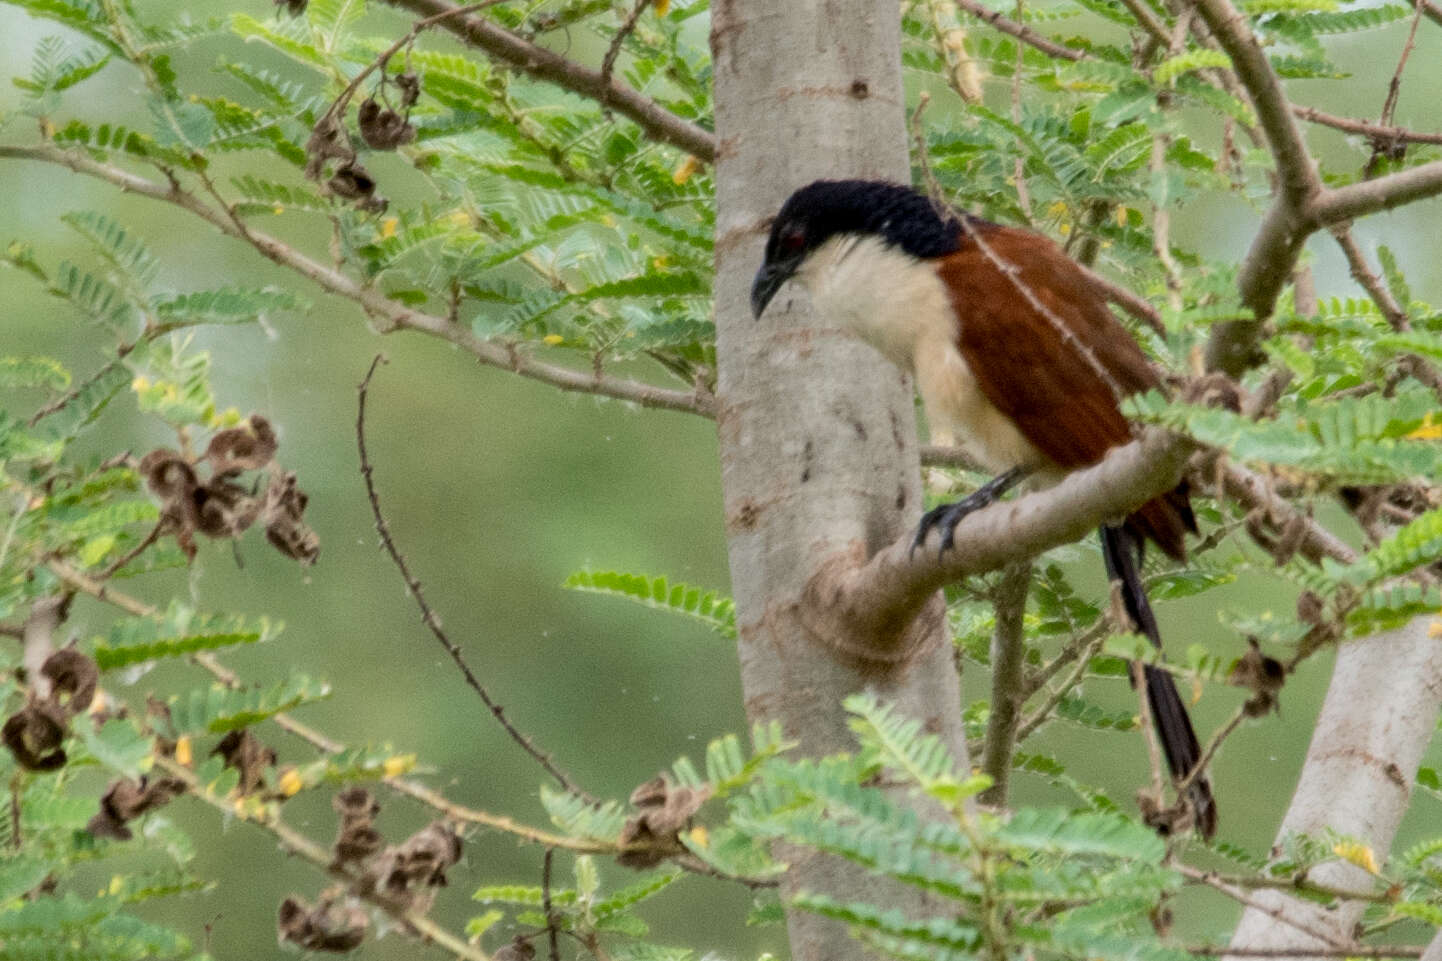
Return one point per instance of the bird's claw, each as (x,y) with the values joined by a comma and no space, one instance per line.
(945,517)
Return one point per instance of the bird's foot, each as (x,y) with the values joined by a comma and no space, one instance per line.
(945,517)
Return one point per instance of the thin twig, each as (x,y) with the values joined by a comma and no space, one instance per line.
(1008,679)
(1396,951)
(1296,882)
(134,552)
(1389,105)
(1213,743)
(1149,734)
(1362,273)
(1084,655)
(1023,197)
(1021,31)
(608,63)
(546,905)
(428,616)
(1274,912)
(342,100)
(1364,127)
(1148,20)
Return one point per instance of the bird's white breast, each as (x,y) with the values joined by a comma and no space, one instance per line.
(899,305)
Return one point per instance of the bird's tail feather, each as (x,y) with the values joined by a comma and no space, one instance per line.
(1122,552)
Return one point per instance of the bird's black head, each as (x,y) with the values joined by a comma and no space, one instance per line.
(822,210)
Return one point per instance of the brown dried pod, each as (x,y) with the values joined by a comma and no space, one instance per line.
(223,509)
(665,811)
(381,127)
(518,950)
(355,843)
(248,447)
(293,7)
(34,735)
(1261,674)
(352,181)
(166,474)
(332,925)
(73,680)
(328,141)
(410,85)
(285,525)
(246,753)
(424,856)
(355,804)
(126,800)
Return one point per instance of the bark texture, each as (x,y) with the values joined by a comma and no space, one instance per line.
(1376,722)
(817,432)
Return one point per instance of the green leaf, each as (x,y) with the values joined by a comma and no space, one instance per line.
(118,745)
(923,759)
(1090,832)
(84,16)
(1418,543)
(522,895)
(285,38)
(97,299)
(934,932)
(33,372)
(1191,60)
(579,817)
(218,709)
(126,252)
(634,894)
(180,631)
(714,609)
(226,305)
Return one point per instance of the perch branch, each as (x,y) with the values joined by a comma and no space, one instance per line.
(871,601)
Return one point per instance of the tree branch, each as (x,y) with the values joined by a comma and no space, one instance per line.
(497,42)
(1373,196)
(861,604)
(375,303)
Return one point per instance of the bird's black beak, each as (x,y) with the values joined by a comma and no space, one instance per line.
(768,280)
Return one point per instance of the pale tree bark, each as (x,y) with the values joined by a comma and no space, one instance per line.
(818,447)
(1376,722)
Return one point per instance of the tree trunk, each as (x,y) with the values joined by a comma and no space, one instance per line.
(1376,722)
(819,456)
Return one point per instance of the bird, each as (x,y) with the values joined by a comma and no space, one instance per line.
(1016,356)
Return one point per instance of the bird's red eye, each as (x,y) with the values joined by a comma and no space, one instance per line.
(793,240)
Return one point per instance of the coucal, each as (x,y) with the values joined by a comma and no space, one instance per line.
(1016,355)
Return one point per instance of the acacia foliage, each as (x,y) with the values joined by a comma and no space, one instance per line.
(543,221)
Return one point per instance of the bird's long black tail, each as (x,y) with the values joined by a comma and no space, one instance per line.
(1122,551)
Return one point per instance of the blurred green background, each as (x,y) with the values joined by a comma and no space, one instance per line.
(497,488)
